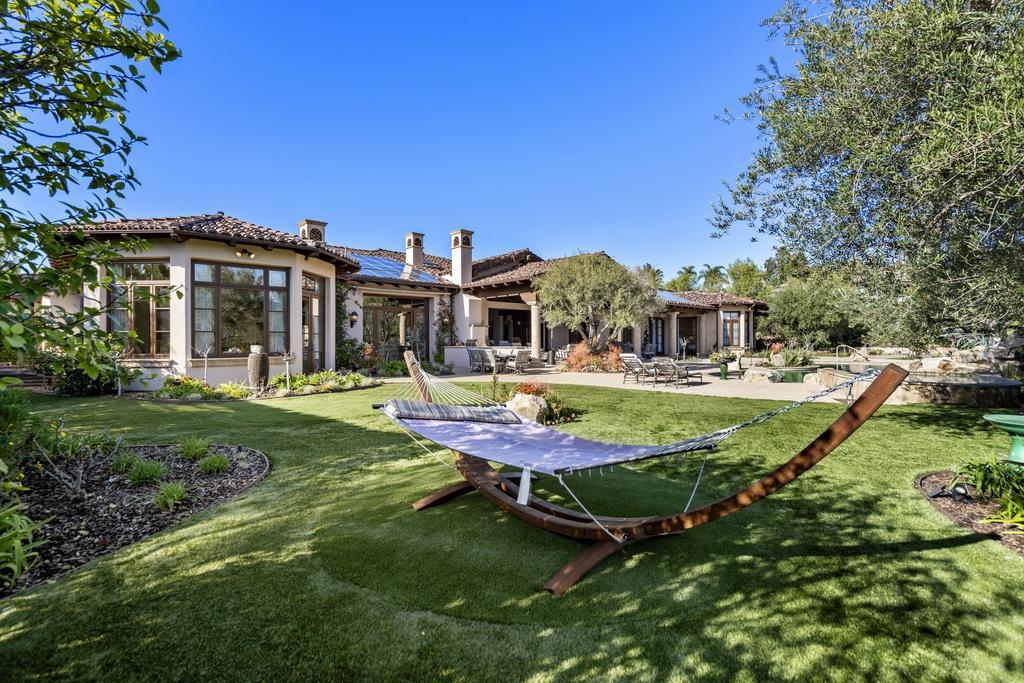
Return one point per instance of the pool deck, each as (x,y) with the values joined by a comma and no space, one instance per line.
(713,385)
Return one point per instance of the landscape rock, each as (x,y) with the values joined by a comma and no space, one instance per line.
(777,360)
(529,407)
(761,374)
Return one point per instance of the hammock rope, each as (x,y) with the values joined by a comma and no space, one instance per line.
(447,393)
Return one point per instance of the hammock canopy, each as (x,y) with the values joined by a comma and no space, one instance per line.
(497,434)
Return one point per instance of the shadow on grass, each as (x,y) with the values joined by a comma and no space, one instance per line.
(324,571)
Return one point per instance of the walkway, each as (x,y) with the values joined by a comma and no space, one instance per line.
(713,385)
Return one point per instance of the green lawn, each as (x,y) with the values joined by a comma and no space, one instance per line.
(323,571)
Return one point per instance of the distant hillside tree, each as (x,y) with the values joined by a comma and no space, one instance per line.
(684,281)
(895,150)
(812,312)
(596,297)
(785,264)
(746,279)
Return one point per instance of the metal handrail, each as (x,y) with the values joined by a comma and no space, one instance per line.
(852,351)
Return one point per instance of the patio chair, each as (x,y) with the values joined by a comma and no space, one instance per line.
(520,362)
(480,360)
(633,368)
(686,373)
(667,371)
(648,352)
(562,354)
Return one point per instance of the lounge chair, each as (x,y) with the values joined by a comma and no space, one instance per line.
(635,369)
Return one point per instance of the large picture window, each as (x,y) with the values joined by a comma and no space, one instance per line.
(140,303)
(234,307)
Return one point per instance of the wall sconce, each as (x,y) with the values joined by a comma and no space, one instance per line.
(244,253)
(353,318)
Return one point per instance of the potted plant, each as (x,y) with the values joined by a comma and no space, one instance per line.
(723,358)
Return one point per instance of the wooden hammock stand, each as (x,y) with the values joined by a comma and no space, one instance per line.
(503,489)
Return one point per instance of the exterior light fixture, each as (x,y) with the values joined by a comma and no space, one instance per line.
(244,253)
(353,318)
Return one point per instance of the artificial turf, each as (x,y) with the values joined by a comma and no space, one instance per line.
(324,572)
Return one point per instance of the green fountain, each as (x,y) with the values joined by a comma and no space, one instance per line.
(1014,426)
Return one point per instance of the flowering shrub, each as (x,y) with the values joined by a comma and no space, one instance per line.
(722,357)
(581,358)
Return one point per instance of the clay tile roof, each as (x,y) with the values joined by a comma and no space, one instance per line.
(716,299)
(525,272)
(215,226)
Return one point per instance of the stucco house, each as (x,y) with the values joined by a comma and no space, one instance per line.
(221,285)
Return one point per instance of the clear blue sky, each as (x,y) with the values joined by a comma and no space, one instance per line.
(560,126)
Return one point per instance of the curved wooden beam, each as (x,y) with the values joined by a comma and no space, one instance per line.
(502,491)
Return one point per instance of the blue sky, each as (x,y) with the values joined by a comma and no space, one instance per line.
(559,126)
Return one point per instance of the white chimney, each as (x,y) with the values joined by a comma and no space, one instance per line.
(312,230)
(462,256)
(414,249)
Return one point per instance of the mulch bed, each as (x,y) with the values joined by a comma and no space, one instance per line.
(115,513)
(969,512)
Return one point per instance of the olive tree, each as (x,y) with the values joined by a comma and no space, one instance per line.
(894,153)
(66,69)
(596,296)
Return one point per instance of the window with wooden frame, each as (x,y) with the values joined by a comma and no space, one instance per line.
(730,328)
(139,302)
(234,307)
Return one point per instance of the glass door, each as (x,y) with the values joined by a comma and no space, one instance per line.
(312,323)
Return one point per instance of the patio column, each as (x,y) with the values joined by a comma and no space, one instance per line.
(401,328)
(638,339)
(535,338)
(743,329)
(672,343)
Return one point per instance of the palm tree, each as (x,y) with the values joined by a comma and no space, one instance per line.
(713,278)
(684,281)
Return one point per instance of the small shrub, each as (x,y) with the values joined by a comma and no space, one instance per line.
(17,427)
(170,494)
(233,390)
(185,387)
(393,368)
(145,472)
(123,462)
(17,547)
(214,464)
(579,357)
(194,448)
(69,458)
(994,479)
(354,379)
(794,358)
(610,360)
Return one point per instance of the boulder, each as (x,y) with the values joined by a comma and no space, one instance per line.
(529,407)
(761,374)
(777,360)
